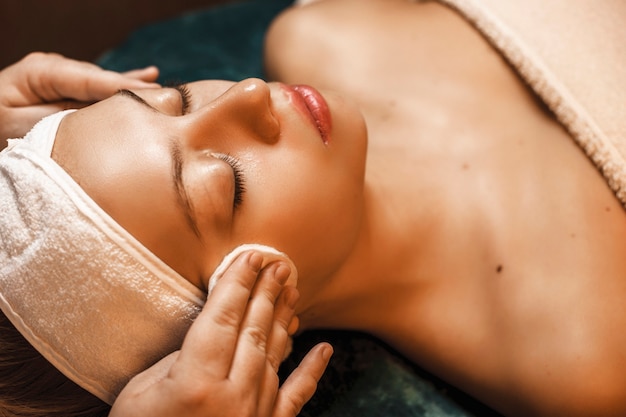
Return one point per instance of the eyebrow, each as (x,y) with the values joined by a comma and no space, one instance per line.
(127,93)
(182,197)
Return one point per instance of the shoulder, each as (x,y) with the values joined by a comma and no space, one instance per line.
(340,39)
(302,41)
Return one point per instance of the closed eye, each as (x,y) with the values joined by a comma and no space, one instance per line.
(182,89)
(238,178)
(185,97)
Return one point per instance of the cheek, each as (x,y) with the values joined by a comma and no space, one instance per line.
(330,223)
(309,210)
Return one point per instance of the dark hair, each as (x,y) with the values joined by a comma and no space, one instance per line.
(31,387)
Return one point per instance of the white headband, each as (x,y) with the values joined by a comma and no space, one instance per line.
(84,292)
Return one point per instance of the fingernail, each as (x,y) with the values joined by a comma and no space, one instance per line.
(282,273)
(327,352)
(255,260)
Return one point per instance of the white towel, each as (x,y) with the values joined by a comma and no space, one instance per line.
(84,292)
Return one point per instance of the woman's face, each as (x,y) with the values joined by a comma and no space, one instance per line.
(194,177)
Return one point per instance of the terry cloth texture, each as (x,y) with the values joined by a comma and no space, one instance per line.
(91,299)
(87,295)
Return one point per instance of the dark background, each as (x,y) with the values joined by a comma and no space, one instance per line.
(80,29)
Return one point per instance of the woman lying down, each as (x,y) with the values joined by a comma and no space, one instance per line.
(403,158)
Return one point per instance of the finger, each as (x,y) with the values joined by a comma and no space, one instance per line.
(18,121)
(37,112)
(148,74)
(276,346)
(300,386)
(264,308)
(279,335)
(53,77)
(93,85)
(250,356)
(211,341)
(294,325)
(157,372)
(268,390)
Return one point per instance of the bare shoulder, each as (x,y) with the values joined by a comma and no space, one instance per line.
(303,41)
(349,42)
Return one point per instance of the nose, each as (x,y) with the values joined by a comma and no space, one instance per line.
(242,111)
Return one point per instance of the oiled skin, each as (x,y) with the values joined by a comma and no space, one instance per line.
(493,250)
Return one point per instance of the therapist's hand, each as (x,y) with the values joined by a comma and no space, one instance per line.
(44,83)
(229,360)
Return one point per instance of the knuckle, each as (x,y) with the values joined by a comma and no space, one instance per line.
(227,317)
(294,404)
(276,354)
(39,57)
(34,56)
(256,335)
(191,396)
(272,380)
(248,410)
(268,292)
(273,360)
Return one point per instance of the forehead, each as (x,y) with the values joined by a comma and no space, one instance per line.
(105,138)
(119,152)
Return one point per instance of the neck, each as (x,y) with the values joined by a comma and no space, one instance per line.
(378,274)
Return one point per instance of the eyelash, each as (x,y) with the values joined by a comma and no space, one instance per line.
(185,95)
(239,178)
(234,163)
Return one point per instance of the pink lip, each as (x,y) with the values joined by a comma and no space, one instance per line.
(310,102)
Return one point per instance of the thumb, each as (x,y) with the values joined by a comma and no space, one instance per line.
(156,373)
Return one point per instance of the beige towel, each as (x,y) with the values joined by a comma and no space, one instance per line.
(85,293)
(571,52)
